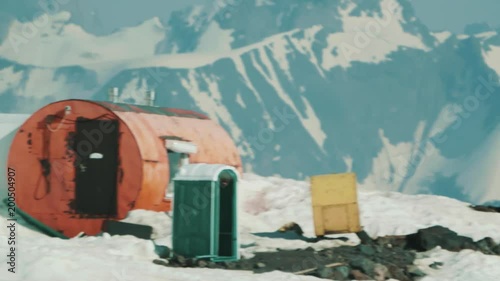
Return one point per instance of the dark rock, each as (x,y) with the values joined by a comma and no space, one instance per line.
(368,261)
(367,250)
(291,226)
(321,238)
(397,273)
(489,242)
(161,262)
(259,265)
(328,254)
(380,272)
(358,275)
(162,251)
(364,264)
(486,245)
(287,235)
(488,209)
(201,263)
(179,260)
(341,272)
(429,238)
(469,244)
(339,276)
(243,246)
(392,241)
(190,262)
(436,265)
(323,254)
(211,264)
(229,265)
(324,272)
(414,271)
(496,250)
(364,238)
(245,265)
(183,261)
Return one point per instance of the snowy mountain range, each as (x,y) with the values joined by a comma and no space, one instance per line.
(303,87)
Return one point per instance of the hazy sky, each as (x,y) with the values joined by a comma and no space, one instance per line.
(108,15)
(455,14)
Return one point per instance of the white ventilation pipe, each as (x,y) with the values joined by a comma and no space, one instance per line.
(113,95)
(184,160)
(150,98)
(181,146)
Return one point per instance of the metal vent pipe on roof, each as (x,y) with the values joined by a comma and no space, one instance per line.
(150,98)
(113,94)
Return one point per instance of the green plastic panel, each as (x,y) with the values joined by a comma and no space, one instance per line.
(193,225)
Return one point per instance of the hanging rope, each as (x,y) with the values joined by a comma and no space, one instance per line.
(58,126)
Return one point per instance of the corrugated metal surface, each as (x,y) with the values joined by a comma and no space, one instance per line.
(123,107)
(143,172)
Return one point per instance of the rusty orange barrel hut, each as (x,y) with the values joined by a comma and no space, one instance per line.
(79,162)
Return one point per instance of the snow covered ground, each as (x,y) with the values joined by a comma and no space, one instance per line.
(265,205)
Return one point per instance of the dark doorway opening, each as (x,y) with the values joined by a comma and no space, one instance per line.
(96,166)
(227,213)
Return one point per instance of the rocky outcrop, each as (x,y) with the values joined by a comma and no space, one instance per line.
(379,259)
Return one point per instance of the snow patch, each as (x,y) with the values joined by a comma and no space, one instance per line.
(466,265)
(240,67)
(240,101)
(310,121)
(280,50)
(194,15)
(486,35)
(441,36)
(492,58)
(313,124)
(481,177)
(369,39)
(61,43)
(446,117)
(348,162)
(134,90)
(9,123)
(304,45)
(389,167)
(215,39)
(210,102)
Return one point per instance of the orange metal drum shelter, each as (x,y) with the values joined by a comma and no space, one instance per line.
(79,163)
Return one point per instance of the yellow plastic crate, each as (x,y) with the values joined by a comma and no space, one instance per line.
(335,204)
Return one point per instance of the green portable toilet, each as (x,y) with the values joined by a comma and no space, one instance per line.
(205,221)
